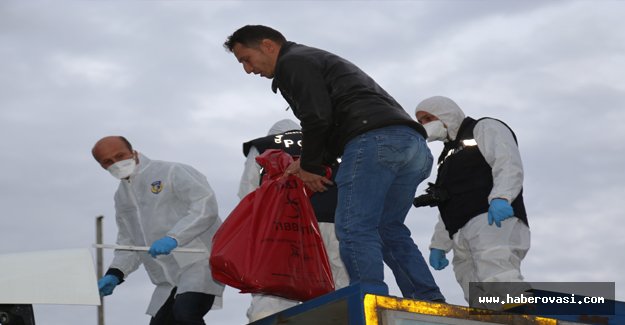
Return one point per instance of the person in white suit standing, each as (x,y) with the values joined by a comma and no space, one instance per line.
(479,194)
(163,205)
(286,135)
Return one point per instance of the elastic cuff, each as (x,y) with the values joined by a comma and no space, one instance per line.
(500,198)
(117,273)
(172,236)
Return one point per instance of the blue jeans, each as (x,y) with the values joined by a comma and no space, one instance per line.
(377,180)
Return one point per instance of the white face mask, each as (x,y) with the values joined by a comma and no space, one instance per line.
(123,168)
(436,131)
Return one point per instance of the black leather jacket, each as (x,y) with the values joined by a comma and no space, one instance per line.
(334,101)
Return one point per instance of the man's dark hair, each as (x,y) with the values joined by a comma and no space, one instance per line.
(252,35)
(126,142)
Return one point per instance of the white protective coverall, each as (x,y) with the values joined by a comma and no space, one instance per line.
(265,305)
(167,199)
(483,252)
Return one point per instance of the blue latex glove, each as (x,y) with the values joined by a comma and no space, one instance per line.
(163,246)
(437,259)
(498,211)
(106,284)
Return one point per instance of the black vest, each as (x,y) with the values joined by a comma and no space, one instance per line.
(467,179)
(289,141)
(324,203)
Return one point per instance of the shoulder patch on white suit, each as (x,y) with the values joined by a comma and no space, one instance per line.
(157,187)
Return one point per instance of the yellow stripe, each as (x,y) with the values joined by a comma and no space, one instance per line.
(374,304)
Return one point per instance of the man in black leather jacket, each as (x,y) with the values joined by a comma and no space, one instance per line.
(345,113)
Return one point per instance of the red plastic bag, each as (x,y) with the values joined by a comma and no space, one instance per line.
(270,243)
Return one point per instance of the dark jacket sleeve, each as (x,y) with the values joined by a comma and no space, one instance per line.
(117,273)
(304,88)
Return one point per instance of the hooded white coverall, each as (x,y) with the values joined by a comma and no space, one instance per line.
(167,199)
(265,305)
(483,252)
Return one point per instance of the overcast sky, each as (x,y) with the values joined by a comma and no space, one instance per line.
(72,72)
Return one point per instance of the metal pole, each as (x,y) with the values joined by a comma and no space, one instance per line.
(99,270)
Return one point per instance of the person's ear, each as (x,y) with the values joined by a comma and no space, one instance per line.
(268,45)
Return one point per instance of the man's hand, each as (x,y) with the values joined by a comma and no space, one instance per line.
(314,182)
(293,168)
(437,259)
(499,211)
(163,246)
(106,284)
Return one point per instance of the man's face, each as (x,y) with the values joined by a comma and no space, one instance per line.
(111,151)
(425,117)
(259,60)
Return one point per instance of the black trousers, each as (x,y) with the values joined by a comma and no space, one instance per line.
(187,308)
